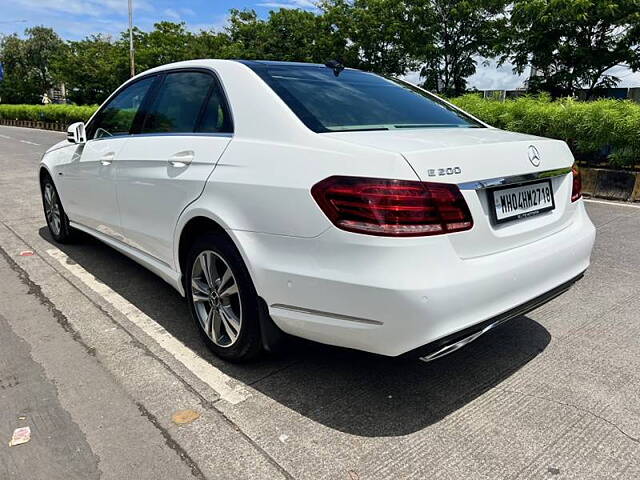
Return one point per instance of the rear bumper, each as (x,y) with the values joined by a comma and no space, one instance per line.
(391,296)
(455,341)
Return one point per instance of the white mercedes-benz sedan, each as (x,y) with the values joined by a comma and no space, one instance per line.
(326,203)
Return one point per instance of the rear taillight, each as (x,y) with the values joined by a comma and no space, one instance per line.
(576,190)
(394,208)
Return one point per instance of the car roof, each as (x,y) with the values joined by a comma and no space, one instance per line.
(278,62)
(214,62)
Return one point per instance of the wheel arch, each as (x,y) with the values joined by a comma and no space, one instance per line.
(43,173)
(193,226)
(272,337)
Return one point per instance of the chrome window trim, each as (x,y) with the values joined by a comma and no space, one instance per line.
(527,177)
(167,134)
(164,71)
(183,134)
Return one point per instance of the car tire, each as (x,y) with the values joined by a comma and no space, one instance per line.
(54,213)
(223,302)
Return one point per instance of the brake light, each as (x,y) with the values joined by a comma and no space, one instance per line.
(576,190)
(393,208)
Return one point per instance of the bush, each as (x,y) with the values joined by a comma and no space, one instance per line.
(62,114)
(602,129)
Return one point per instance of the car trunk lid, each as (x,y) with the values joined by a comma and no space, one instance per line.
(478,159)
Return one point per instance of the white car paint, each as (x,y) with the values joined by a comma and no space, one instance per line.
(89,183)
(379,294)
(158,176)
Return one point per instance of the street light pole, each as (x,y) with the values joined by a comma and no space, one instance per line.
(131,51)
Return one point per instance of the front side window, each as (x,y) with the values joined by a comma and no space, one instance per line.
(355,100)
(116,118)
(177,106)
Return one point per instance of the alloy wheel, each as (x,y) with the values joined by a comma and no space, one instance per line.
(216,298)
(52,209)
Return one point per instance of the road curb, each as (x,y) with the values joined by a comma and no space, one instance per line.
(611,184)
(58,127)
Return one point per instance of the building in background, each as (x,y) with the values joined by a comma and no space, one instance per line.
(58,93)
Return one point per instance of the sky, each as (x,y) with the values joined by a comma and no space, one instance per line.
(75,19)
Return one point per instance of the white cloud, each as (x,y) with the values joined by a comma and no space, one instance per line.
(304,4)
(171,13)
(626,76)
(121,6)
(217,24)
(178,14)
(493,77)
(412,77)
(488,76)
(72,29)
(93,8)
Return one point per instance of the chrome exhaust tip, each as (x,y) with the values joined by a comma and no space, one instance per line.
(457,345)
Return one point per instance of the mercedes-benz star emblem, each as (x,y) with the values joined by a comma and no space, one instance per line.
(534,156)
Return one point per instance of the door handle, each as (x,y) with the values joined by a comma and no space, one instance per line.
(181,159)
(107,159)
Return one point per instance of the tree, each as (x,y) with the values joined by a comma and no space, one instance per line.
(287,35)
(247,35)
(571,44)
(461,30)
(168,42)
(93,68)
(295,36)
(42,47)
(375,35)
(14,89)
(27,64)
(211,44)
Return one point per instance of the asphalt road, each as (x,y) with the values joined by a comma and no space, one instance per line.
(97,354)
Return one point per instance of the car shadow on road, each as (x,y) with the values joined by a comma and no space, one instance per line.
(353,392)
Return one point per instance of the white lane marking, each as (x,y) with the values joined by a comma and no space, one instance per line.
(617,204)
(5,136)
(217,380)
(28,142)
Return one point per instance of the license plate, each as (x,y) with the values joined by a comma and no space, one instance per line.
(511,203)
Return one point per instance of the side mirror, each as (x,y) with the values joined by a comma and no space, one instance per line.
(76,133)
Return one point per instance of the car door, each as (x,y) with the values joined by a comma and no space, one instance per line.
(89,177)
(162,169)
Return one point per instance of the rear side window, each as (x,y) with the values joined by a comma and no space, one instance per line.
(179,103)
(216,118)
(118,115)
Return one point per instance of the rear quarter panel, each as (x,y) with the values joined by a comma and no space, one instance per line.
(265,187)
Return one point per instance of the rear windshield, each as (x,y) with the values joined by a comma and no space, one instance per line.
(355,100)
